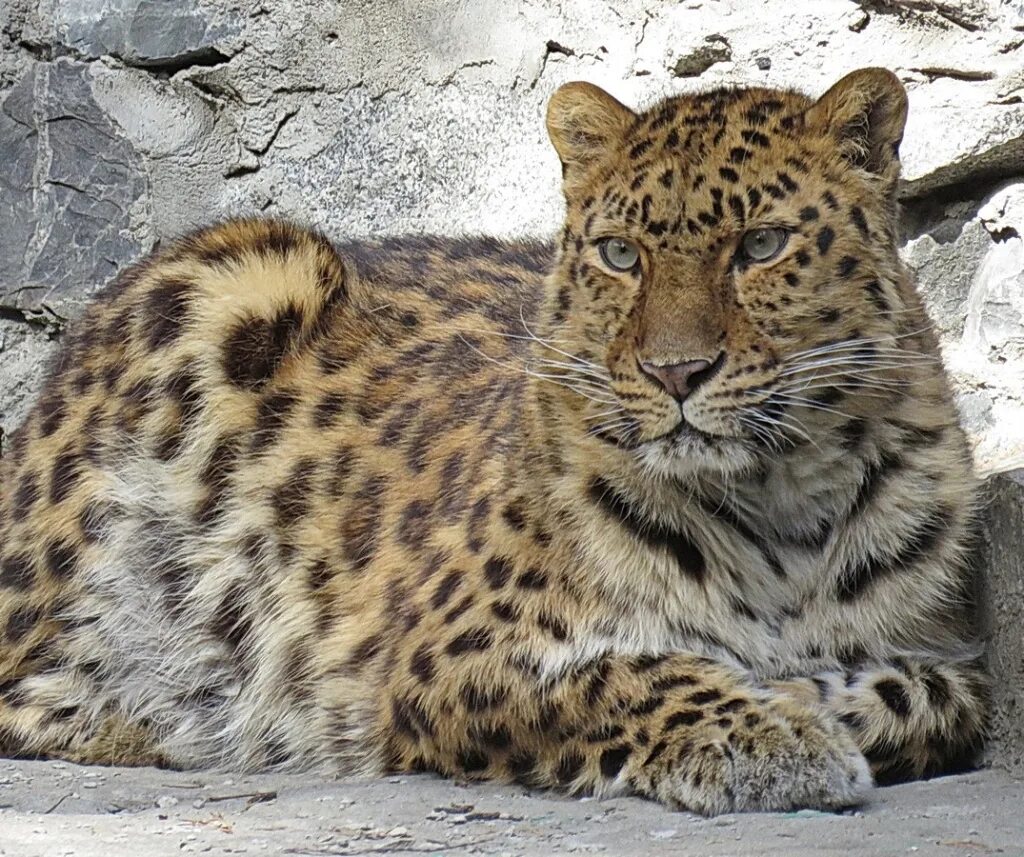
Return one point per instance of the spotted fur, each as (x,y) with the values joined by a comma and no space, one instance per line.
(415,504)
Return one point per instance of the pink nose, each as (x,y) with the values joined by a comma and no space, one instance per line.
(680,379)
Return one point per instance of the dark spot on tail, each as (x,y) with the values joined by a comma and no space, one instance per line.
(474,640)
(65,476)
(613,759)
(498,570)
(165,311)
(280,239)
(51,410)
(895,696)
(26,495)
(256,347)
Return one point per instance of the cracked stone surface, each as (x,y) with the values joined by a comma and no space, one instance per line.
(971,268)
(126,122)
(50,809)
(149,33)
(68,194)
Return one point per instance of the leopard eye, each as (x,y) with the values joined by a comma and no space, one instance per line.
(760,245)
(619,254)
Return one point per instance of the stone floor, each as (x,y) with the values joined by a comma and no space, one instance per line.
(52,809)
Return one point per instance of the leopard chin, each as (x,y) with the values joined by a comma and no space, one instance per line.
(687,452)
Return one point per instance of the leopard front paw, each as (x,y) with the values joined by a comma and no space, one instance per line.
(768,755)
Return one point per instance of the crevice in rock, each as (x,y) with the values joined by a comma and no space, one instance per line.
(935,72)
(450,79)
(291,88)
(1000,163)
(643,30)
(959,13)
(552,48)
(242,170)
(1004,234)
(716,48)
(43,321)
(284,120)
(203,57)
(213,92)
(931,213)
(51,52)
(65,185)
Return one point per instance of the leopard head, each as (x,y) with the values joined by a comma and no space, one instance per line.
(728,280)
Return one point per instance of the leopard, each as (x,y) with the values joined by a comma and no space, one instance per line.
(674,504)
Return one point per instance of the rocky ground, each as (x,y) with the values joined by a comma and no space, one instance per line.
(52,809)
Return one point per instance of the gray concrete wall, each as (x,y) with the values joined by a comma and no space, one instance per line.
(124,122)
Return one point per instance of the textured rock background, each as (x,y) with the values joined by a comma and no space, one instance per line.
(125,122)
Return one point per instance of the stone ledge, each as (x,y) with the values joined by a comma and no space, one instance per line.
(49,808)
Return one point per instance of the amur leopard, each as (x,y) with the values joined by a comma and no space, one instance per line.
(676,506)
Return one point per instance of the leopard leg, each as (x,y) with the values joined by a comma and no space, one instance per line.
(46,715)
(912,718)
(50,707)
(684,730)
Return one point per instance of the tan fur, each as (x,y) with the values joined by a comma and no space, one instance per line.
(414,504)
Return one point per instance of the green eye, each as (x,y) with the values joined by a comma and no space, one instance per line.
(619,254)
(760,245)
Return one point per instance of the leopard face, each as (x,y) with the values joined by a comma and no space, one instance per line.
(728,262)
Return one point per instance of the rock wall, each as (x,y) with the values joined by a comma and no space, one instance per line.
(124,122)
(1003,619)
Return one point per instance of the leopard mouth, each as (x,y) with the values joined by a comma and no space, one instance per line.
(687,430)
(685,434)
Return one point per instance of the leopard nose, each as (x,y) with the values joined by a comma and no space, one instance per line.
(681,379)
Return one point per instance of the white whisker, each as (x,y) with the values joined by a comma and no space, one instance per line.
(526,327)
(800,401)
(616,410)
(854,364)
(848,344)
(575,370)
(558,380)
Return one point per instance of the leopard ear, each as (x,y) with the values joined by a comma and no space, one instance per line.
(865,114)
(583,122)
